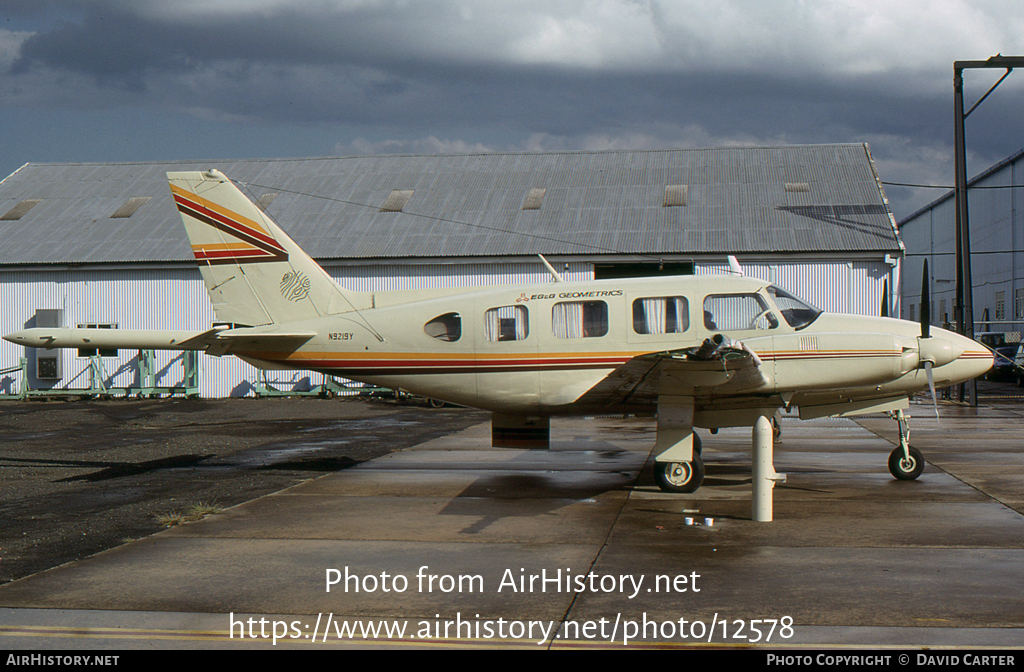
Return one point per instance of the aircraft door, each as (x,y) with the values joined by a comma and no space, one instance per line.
(506,353)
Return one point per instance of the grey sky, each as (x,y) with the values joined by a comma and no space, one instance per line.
(122,80)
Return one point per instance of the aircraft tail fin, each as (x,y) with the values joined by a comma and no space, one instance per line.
(255,274)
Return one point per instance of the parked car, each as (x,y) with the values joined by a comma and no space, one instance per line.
(1005,367)
(1018,361)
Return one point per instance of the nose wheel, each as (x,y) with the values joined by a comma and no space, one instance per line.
(906,463)
(906,468)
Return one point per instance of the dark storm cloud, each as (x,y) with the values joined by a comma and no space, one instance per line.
(535,75)
(422,62)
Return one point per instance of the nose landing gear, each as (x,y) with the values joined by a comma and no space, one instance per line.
(906,463)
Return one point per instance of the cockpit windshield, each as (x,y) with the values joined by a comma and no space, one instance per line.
(797,313)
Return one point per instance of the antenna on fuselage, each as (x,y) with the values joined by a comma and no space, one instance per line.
(734,266)
(551,269)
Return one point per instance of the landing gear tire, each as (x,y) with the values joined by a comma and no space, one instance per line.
(903,469)
(680,476)
(697,445)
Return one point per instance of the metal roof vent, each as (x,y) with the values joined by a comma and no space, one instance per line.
(129,207)
(18,211)
(534,199)
(675,195)
(798,187)
(397,200)
(266,199)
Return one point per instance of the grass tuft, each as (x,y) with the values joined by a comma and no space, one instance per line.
(171,518)
(202,510)
(195,512)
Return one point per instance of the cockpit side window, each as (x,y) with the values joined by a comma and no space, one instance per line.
(798,314)
(447,327)
(737,312)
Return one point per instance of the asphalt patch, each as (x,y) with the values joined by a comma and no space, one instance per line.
(79,477)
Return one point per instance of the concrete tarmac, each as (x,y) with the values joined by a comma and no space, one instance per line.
(445,537)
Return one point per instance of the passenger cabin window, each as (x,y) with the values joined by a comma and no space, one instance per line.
(447,327)
(661,315)
(507,323)
(579,319)
(737,312)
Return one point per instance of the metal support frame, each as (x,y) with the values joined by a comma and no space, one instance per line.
(964,309)
(22,367)
(264,387)
(97,375)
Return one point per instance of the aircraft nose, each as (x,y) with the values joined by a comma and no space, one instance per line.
(974,361)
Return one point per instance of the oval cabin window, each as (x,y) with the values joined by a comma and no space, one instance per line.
(447,327)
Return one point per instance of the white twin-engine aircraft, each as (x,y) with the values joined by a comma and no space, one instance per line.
(709,351)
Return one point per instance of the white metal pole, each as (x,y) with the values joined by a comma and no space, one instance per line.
(764,471)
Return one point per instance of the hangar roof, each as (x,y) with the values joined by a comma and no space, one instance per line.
(985,174)
(814,198)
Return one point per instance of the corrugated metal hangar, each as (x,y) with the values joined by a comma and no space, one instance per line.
(102,244)
(997,251)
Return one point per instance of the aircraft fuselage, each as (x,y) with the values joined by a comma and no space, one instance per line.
(537,349)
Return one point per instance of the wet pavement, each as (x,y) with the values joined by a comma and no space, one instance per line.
(445,536)
(77,478)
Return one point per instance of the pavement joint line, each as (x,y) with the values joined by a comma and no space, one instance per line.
(604,543)
(991,497)
(77,632)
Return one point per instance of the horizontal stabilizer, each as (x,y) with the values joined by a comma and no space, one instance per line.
(219,340)
(250,339)
(126,339)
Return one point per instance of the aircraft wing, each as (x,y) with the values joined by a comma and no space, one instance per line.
(712,369)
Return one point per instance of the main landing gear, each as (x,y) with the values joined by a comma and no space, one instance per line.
(681,476)
(906,463)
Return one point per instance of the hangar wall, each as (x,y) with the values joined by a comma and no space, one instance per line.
(997,252)
(174,297)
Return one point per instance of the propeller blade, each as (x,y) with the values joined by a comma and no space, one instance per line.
(926,309)
(931,386)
